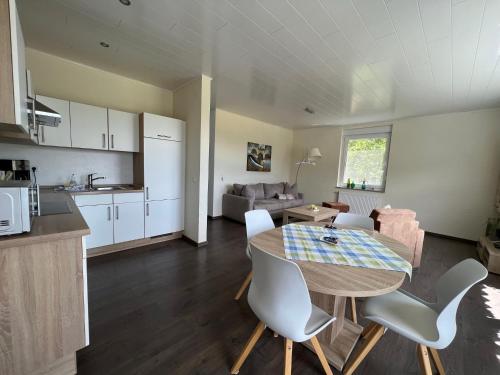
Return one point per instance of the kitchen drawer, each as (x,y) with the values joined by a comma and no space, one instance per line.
(93,199)
(128,197)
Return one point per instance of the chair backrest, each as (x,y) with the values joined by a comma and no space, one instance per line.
(354,220)
(258,221)
(278,295)
(450,289)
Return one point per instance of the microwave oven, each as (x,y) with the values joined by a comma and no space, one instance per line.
(19,203)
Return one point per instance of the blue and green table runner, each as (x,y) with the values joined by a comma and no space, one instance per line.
(354,248)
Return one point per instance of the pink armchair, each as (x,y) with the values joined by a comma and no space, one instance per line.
(401,225)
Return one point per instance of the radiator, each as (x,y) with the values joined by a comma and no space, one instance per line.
(360,203)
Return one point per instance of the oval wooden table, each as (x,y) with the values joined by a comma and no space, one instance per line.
(330,285)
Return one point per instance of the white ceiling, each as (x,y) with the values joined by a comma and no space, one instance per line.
(351,61)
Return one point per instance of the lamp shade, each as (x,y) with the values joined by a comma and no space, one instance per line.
(314,153)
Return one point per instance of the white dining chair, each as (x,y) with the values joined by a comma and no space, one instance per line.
(431,325)
(359,221)
(256,221)
(279,297)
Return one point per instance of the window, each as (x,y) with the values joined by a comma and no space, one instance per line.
(364,156)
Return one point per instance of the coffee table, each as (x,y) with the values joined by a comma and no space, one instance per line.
(305,213)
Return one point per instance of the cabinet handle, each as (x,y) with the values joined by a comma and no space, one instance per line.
(147,209)
(147,193)
(117,215)
(112,141)
(109,213)
(43,134)
(103,140)
(163,135)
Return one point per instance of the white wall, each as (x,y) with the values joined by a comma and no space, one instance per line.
(192,104)
(55,164)
(232,133)
(445,167)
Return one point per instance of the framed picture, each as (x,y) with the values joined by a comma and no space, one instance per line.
(258,157)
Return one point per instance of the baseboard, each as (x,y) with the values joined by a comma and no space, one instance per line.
(194,243)
(215,217)
(471,242)
(102,250)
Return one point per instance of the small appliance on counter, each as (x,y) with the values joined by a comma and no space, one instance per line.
(14,170)
(19,203)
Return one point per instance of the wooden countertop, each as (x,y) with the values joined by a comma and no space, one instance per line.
(129,189)
(51,227)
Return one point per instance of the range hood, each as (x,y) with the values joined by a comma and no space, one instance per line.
(43,116)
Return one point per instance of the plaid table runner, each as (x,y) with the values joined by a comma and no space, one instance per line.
(354,248)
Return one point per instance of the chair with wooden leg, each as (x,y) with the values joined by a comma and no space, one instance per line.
(431,325)
(256,221)
(279,297)
(359,221)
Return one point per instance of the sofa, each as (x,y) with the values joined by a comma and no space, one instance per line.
(401,225)
(249,197)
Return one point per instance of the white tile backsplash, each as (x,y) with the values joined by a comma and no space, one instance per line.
(55,164)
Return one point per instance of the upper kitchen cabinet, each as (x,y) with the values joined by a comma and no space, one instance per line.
(60,135)
(13,90)
(161,127)
(89,126)
(123,131)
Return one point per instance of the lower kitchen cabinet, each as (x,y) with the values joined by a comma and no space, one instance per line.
(164,216)
(128,221)
(100,221)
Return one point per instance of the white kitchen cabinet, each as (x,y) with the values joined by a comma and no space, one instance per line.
(163,169)
(128,221)
(123,131)
(162,217)
(100,221)
(13,89)
(89,126)
(55,136)
(162,127)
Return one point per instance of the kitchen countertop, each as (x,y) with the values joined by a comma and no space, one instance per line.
(51,227)
(128,189)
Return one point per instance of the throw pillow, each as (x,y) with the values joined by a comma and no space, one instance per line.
(281,196)
(290,196)
(248,191)
(291,189)
(238,188)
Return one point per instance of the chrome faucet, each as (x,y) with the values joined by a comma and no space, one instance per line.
(90,180)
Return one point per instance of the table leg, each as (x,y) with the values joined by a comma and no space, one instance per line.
(337,340)
(285,218)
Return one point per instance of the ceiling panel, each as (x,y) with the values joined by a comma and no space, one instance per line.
(351,61)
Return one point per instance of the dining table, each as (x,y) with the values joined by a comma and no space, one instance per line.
(330,285)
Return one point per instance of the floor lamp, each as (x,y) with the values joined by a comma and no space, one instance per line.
(309,159)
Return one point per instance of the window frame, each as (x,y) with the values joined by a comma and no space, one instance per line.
(384,131)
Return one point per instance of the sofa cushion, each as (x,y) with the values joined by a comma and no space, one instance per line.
(276,204)
(291,189)
(272,204)
(271,190)
(248,192)
(289,203)
(257,188)
(238,189)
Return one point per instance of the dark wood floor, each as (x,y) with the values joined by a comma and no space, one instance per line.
(170,310)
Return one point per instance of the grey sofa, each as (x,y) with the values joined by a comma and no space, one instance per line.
(245,198)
